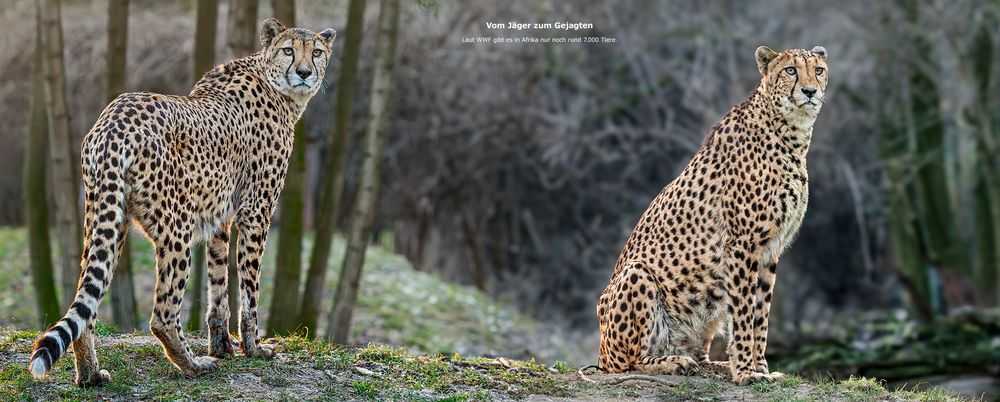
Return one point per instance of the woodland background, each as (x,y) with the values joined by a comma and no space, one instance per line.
(520,169)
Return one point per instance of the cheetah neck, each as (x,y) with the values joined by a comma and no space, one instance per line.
(225,81)
(296,103)
(789,130)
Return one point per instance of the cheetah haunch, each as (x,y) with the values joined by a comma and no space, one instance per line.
(704,255)
(182,169)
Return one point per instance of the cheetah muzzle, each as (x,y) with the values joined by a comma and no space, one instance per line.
(703,257)
(186,169)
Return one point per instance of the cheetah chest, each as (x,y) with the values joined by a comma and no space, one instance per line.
(789,211)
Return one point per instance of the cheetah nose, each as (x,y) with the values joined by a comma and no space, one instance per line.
(305,73)
(809,91)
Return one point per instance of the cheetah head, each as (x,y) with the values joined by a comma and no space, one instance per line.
(295,59)
(794,80)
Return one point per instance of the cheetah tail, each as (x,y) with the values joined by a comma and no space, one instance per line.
(99,258)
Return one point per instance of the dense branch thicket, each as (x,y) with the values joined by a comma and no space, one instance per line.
(550,153)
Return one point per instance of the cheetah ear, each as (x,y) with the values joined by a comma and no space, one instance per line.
(328,35)
(764,55)
(819,51)
(270,28)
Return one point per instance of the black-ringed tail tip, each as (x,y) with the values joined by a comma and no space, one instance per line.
(41,362)
(53,343)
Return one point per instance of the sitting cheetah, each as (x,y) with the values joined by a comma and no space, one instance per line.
(182,169)
(703,256)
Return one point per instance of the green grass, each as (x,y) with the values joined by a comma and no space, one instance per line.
(795,388)
(561,367)
(15,280)
(365,390)
(375,372)
(9,341)
(409,376)
(694,390)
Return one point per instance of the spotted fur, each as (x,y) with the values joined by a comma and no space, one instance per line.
(703,257)
(184,169)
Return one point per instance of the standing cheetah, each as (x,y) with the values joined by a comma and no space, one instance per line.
(183,169)
(703,257)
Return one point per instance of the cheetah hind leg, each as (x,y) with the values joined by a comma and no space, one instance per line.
(625,338)
(164,323)
(706,364)
(217,319)
(672,365)
(720,367)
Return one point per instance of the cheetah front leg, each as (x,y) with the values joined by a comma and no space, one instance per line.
(172,262)
(217,319)
(253,236)
(762,309)
(743,267)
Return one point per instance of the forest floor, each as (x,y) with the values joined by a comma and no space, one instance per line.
(315,370)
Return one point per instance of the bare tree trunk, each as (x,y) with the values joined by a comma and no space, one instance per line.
(241,30)
(196,290)
(325,225)
(284,11)
(204,37)
(986,272)
(363,210)
(284,314)
(36,207)
(204,57)
(117,46)
(124,311)
(469,231)
(64,170)
(241,33)
(475,248)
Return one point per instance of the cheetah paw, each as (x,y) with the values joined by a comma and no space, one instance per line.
(720,367)
(102,377)
(685,366)
(222,349)
(202,365)
(262,351)
(755,377)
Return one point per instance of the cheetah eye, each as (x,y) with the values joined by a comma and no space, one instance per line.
(317,53)
(819,71)
(790,70)
(287,51)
